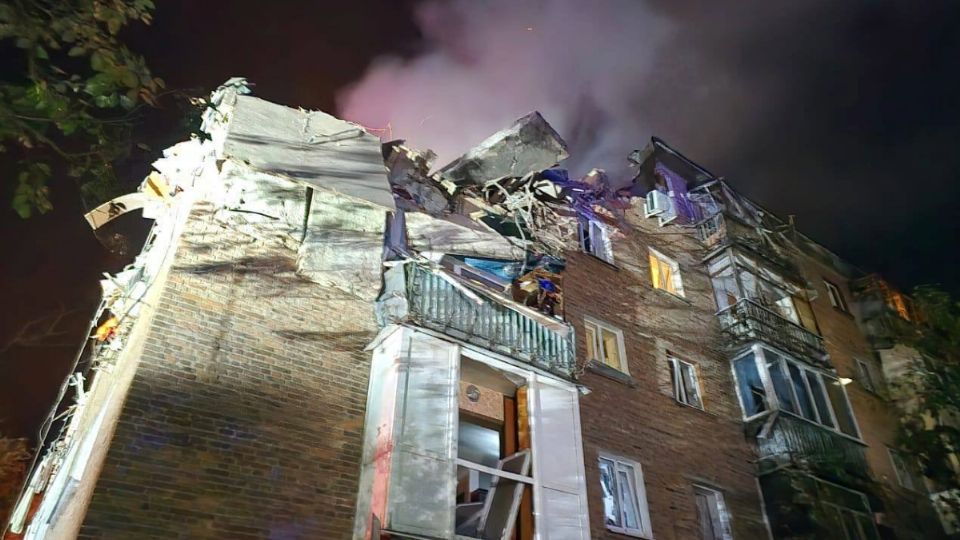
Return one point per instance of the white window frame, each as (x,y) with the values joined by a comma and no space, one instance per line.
(865,374)
(901,469)
(674,266)
(643,509)
(773,401)
(598,236)
(598,342)
(679,388)
(837,299)
(720,506)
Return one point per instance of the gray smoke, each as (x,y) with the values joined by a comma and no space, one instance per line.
(607,74)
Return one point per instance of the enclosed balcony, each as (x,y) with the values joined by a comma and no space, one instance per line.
(447,304)
(748,321)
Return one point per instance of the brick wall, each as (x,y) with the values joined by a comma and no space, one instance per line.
(245,417)
(907,512)
(675,444)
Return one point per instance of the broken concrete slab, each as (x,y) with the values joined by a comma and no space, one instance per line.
(312,147)
(530,144)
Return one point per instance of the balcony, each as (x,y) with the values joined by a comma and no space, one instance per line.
(792,439)
(446,305)
(748,321)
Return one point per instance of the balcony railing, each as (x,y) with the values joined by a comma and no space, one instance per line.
(712,231)
(749,321)
(793,439)
(435,303)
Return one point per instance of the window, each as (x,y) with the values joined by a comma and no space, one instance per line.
(665,273)
(595,240)
(836,297)
(624,496)
(753,393)
(908,475)
(605,344)
(741,277)
(712,514)
(866,376)
(769,380)
(463,433)
(686,386)
(846,512)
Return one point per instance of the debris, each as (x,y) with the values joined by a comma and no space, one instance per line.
(311,147)
(529,145)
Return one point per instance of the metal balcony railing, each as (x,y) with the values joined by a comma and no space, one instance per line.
(712,231)
(749,321)
(436,304)
(793,439)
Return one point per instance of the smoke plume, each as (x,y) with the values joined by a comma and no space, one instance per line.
(606,74)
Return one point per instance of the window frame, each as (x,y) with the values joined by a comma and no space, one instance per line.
(865,376)
(905,476)
(773,402)
(603,249)
(837,300)
(640,493)
(721,507)
(675,271)
(598,342)
(680,392)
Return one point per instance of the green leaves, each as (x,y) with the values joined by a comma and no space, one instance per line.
(74,107)
(32,193)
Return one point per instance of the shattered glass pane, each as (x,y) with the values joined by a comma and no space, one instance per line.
(608,486)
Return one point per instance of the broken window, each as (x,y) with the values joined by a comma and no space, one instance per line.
(741,277)
(624,496)
(836,297)
(686,384)
(605,344)
(665,273)
(865,375)
(907,471)
(770,380)
(595,240)
(451,443)
(712,514)
(753,392)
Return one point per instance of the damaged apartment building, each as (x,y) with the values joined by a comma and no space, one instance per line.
(328,336)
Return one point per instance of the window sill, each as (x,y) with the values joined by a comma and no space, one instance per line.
(844,312)
(672,295)
(604,370)
(601,259)
(631,534)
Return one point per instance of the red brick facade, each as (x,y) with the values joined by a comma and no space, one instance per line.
(676,445)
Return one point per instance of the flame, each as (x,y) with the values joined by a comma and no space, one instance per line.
(108,329)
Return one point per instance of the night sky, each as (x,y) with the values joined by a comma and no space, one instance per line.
(846,114)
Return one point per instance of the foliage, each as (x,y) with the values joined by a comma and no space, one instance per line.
(931,430)
(70,109)
(14,456)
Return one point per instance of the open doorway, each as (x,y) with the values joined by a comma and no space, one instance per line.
(494,460)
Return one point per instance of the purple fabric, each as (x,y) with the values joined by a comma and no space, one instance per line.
(678,192)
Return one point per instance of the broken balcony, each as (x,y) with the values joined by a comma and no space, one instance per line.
(444,303)
(748,321)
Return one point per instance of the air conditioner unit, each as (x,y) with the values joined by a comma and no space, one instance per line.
(661,205)
(657,203)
